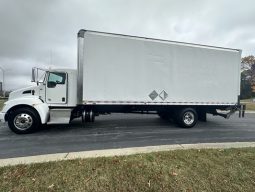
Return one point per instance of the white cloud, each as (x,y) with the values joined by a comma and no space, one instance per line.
(43,32)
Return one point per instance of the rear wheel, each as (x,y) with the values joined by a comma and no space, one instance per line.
(88,116)
(23,120)
(186,118)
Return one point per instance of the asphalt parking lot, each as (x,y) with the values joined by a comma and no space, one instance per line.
(123,130)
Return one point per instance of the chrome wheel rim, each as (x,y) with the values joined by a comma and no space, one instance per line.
(23,121)
(188,118)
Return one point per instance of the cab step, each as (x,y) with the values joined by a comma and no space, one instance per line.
(59,116)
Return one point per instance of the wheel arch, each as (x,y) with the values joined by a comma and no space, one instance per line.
(20,106)
(39,110)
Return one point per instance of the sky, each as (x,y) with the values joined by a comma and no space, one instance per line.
(43,33)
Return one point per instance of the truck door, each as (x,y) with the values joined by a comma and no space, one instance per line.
(56,88)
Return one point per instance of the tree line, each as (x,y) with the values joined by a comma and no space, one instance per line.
(248,77)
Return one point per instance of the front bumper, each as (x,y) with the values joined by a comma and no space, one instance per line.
(2,115)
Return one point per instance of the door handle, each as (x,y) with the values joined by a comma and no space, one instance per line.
(63,99)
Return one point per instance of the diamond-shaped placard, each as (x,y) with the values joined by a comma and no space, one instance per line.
(163,95)
(153,95)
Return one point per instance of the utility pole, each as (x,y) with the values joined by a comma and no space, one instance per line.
(3,85)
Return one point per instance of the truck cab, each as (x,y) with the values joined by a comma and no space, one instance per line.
(59,88)
(27,108)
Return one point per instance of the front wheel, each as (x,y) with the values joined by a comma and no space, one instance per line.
(187,118)
(23,120)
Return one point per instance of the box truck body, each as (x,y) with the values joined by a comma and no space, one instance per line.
(122,70)
(127,74)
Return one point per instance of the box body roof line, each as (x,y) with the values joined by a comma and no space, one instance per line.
(82,32)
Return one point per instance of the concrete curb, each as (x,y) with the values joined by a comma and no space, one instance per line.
(119,152)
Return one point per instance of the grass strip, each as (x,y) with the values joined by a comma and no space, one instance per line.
(250,105)
(2,103)
(181,170)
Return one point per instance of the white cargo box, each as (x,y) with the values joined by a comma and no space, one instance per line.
(119,69)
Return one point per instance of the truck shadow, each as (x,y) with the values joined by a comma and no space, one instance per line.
(116,121)
(120,122)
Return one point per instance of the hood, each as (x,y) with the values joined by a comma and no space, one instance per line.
(28,91)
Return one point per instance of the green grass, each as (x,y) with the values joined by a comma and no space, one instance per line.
(246,100)
(1,103)
(183,170)
(250,105)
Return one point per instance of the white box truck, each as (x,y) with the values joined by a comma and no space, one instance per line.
(126,74)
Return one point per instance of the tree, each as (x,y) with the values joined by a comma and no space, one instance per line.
(248,77)
(246,91)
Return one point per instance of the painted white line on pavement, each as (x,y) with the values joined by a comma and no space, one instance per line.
(119,152)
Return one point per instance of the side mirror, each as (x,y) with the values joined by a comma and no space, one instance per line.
(51,84)
(33,75)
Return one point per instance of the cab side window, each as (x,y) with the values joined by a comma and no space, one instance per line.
(55,78)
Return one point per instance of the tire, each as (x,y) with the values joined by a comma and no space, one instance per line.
(89,116)
(187,117)
(92,116)
(24,120)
